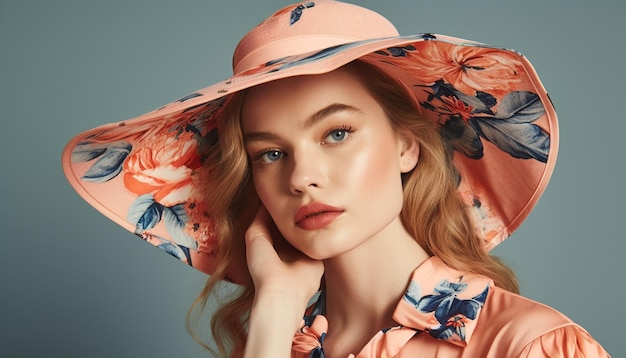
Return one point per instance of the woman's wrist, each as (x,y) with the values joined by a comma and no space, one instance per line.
(286,305)
(274,319)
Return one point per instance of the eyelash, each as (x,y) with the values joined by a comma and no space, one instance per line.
(259,157)
(344,128)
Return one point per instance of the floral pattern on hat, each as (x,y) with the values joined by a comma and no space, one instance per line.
(473,90)
(483,100)
(297,12)
(158,165)
(475,93)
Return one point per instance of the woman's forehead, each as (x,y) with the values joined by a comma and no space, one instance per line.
(304,96)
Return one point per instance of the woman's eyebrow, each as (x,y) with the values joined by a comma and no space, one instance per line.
(328,111)
(308,122)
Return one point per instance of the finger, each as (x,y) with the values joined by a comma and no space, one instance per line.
(259,241)
(260,226)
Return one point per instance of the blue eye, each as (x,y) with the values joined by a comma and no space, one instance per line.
(338,135)
(271,156)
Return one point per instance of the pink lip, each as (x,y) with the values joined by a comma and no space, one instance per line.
(316,216)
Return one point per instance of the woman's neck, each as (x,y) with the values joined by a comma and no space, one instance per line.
(364,285)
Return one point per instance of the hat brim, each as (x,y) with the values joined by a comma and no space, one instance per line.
(488,103)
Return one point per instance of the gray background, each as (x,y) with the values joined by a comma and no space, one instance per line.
(73,284)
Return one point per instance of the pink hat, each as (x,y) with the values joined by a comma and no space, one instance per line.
(488,104)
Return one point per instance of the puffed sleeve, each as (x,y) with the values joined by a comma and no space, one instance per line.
(568,342)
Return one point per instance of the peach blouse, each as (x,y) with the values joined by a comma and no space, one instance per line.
(447,313)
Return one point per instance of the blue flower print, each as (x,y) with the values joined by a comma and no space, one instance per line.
(451,313)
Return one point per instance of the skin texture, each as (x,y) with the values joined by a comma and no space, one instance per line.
(347,157)
(325,139)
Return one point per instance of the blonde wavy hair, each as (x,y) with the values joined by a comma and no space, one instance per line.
(432,210)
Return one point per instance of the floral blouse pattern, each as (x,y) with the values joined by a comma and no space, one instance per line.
(441,311)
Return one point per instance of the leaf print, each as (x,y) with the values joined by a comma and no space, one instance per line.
(466,119)
(174,250)
(188,97)
(512,131)
(400,51)
(175,218)
(525,141)
(145,212)
(109,164)
(86,151)
(297,12)
(413,293)
(520,107)
(462,137)
(293,61)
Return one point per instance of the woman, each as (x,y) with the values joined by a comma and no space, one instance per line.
(376,167)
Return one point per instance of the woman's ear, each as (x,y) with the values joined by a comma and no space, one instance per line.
(409,154)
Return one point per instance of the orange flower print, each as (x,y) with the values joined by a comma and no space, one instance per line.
(158,162)
(163,165)
(458,107)
(469,69)
(457,321)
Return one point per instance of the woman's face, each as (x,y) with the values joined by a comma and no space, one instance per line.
(325,161)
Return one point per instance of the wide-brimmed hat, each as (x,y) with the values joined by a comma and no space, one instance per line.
(488,104)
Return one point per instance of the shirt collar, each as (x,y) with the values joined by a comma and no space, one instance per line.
(443,302)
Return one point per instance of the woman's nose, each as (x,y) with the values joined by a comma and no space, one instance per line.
(306,174)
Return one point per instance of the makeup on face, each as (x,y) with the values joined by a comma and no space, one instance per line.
(325,161)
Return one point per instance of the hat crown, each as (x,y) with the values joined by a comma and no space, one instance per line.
(306,27)
(149,174)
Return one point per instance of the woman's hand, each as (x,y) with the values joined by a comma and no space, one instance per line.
(275,265)
(284,281)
